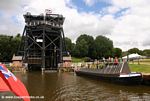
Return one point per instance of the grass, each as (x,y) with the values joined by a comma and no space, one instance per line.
(144,68)
(146,60)
(74,59)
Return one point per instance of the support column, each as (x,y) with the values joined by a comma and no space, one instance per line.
(43,47)
(60,54)
(25,49)
(63,40)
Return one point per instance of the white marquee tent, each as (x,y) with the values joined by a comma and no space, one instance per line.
(133,56)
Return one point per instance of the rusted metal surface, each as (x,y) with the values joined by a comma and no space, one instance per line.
(43,40)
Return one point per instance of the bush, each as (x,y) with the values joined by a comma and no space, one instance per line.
(87,59)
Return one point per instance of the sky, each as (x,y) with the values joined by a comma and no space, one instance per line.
(126,22)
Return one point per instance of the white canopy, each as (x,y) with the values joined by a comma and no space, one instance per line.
(132,56)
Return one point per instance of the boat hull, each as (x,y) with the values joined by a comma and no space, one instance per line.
(115,78)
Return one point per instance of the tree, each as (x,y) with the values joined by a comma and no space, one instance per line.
(82,48)
(117,52)
(103,47)
(8,46)
(140,52)
(68,44)
(15,43)
(124,53)
(146,52)
(133,50)
(74,51)
(86,42)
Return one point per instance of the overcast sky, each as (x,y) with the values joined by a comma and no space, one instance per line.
(126,22)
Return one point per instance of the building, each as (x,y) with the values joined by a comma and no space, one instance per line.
(67,61)
(17,61)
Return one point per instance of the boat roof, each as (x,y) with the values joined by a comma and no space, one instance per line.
(120,68)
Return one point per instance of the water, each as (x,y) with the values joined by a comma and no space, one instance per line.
(69,87)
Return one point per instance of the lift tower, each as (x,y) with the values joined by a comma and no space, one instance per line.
(42,44)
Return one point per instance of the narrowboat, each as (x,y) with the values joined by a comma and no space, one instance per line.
(119,73)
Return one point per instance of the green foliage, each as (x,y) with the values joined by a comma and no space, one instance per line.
(133,50)
(103,47)
(68,44)
(8,46)
(124,53)
(117,52)
(84,46)
(74,59)
(87,59)
(74,50)
(140,68)
(146,52)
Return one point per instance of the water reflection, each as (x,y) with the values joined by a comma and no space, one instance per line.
(69,87)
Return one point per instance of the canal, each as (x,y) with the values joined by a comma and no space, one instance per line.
(69,87)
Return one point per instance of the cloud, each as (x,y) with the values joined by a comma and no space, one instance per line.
(9,26)
(89,2)
(133,26)
(88,24)
(146,43)
(8,4)
(92,2)
(75,23)
(126,22)
(11,16)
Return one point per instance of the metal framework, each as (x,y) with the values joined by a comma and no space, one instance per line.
(43,42)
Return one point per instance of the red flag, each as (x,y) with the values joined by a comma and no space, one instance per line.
(13,84)
(3,86)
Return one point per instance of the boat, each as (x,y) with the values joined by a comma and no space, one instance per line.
(119,73)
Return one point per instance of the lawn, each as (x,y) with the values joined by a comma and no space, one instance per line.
(74,59)
(144,68)
(141,61)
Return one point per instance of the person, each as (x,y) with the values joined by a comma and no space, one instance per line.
(120,60)
(111,61)
(116,61)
